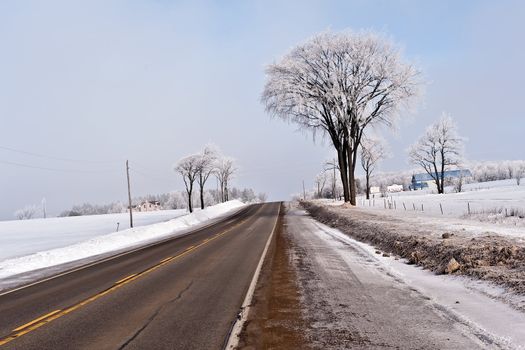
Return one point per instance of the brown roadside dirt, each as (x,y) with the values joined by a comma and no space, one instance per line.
(275,320)
(493,258)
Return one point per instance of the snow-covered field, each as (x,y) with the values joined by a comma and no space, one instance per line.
(481,197)
(99,244)
(490,205)
(22,237)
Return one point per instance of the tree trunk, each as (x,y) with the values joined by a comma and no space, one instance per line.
(190,206)
(201,189)
(367,184)
(202,197)
(343,171)
(351,172)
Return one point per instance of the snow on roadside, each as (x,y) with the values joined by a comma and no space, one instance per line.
(111,242)
(23,237)
(472,303)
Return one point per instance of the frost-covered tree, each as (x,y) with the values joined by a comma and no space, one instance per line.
(175,200)
(262,197)
(205,167)
(518,174)
(248,195)
(372,151)
(438,149)
(224,171)
(320,182)
(339,85)
(26,213)
(188,168)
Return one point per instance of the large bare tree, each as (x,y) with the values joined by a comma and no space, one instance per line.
(340,84)
(188,168)
(438,149)
(372,151)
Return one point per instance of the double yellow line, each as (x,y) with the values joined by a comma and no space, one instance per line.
(47,318)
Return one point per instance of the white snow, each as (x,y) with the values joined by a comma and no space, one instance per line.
(480,196)
(23,237)
(474,304)
(113,242)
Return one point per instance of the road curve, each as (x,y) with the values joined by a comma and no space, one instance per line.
(183,293)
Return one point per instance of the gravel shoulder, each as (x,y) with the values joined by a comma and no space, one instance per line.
(275,320)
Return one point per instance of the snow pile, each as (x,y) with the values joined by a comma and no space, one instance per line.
(112,242)
(23,237)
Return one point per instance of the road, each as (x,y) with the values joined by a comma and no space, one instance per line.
(181,294)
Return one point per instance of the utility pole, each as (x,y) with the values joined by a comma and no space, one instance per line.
(304,192)
(129,197)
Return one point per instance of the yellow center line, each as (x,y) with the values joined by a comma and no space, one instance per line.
(125,278)
(36,320)
(42,320)
(168,258)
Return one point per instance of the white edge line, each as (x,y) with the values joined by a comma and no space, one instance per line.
(126,252)
(235,333)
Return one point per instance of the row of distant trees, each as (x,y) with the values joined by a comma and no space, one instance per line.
(171,200)
(197,168)
(482,171)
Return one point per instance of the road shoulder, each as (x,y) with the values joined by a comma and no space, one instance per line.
(275,319)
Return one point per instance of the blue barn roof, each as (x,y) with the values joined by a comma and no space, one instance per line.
(448,174)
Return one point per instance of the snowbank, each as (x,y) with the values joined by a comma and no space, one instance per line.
(111,242)
(23,237)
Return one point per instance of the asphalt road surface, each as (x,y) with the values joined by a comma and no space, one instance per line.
(184,293)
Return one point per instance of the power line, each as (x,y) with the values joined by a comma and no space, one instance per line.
(56,169)
(55,158)
(155,177)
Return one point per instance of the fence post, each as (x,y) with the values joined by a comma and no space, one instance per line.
(468,207)
(414,206)
(441,207)
(422,207)
(404,206)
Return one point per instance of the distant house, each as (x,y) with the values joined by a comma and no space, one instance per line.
(148,206)
(375,189)
(423,180)
(394,188)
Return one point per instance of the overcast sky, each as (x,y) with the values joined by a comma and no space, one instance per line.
(97,82)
